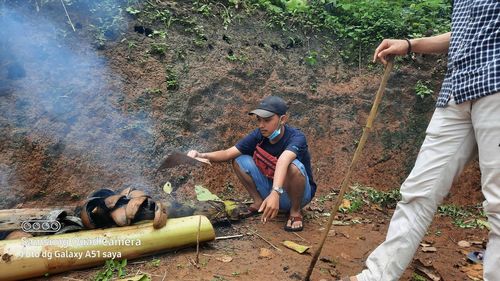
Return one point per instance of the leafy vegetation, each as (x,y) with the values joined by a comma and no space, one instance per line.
(464,218)
(418,277)
(357,25)
(360,24)
(422,89)
(360,196)
(171,79)
(111,269)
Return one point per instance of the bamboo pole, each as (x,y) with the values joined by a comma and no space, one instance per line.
(31,257)
(357,153)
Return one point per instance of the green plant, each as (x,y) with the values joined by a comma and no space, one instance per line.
(356,203)
(158,33)
(133,11)
(202,8)
(111,268)
(159,49)
(422,89)
(359,196)
(171,79)
(226,16)
(154,91)
(387,199)
(463,218)
(311,58)
(417,277)
(237,58)
(155,262)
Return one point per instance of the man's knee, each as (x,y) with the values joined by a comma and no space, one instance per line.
(243,164)
(294,171)
(235,165)
(294,174)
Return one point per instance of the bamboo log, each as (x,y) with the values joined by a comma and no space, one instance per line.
(31,257)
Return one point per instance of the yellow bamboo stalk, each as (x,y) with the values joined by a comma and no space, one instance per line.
(31,257)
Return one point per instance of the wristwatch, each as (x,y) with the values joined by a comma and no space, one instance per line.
(278,189)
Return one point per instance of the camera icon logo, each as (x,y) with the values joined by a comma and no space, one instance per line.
(41,226)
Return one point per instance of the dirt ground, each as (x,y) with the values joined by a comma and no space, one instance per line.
(101,106)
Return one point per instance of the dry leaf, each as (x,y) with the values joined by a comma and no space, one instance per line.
(345,256)
(224,258)
(296,247)
(265,253)
(463,244)
(427,270)
(346,204)
(429,249)
(473,271)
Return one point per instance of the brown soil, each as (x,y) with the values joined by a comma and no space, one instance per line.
(81,114)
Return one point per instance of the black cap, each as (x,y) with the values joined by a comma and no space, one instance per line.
(269,106)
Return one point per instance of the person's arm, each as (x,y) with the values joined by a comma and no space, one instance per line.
(217,156)
(271,204)
(427,45)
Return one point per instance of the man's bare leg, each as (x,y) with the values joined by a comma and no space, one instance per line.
(295,184)
(249,185)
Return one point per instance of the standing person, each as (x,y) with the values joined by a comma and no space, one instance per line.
(465,122)
(273,164)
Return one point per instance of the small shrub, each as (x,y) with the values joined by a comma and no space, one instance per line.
(422,89)
(171,79)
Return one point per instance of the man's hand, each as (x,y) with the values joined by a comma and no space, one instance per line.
(270,206)
(390,47)
(194,154)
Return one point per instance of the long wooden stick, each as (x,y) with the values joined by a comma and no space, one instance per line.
(67,15)
(345,182)
(272,245)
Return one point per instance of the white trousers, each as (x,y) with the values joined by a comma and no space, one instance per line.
(454,135)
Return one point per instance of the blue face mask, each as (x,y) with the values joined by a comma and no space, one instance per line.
(276,132)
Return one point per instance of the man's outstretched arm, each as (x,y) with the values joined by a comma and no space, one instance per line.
(426,45)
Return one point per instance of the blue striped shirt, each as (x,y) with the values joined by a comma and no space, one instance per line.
(474,52)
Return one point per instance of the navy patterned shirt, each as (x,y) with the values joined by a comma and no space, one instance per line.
(474,52)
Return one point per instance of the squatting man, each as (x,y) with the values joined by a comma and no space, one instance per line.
(273,164)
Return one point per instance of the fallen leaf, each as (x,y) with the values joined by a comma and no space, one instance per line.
(346,204)
(484,223)
(265,253)
(203,194)
(463,244)
(296,247)
(168,187)
(427,270)
(334,273)
(473,271)
(429,249)
(141,277)
(336,222)
(224,258)
(345,256)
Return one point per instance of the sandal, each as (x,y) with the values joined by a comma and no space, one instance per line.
(248,212)
(293,219)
